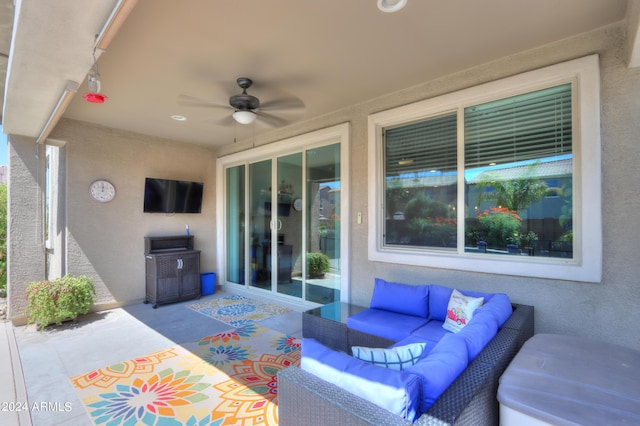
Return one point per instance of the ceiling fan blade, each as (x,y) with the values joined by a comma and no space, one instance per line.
(224,121)
(195,101)
(282,103)
(271,120)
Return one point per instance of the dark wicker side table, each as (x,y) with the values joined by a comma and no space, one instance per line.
(328,324)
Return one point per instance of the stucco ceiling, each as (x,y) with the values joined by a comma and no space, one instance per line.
(328,54)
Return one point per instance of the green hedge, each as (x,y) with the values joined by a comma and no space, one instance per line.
(51,302)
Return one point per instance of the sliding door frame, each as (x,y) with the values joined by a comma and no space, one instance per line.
(328,136)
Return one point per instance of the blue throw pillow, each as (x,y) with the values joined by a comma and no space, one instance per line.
(401,298)
(395,391)
(439,300)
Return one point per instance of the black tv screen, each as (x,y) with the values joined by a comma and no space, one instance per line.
(172,196)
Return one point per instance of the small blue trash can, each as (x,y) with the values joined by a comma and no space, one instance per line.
(208,283)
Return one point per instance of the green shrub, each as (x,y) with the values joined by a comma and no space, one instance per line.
(51,302)
(422,206)
(500,226)
(429,231)
(317,264)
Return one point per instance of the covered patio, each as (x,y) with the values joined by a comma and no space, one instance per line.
(42,363)
(347,70)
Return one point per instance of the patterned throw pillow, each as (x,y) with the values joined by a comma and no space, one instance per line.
(394,358)
(460,310)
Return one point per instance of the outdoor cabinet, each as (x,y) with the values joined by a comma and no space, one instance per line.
(172,269)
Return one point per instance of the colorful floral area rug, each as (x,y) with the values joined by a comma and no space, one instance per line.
(237,310)
(226,379)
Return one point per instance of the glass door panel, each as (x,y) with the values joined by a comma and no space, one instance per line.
(323,224)
(235,212)
(288,244)
(260,200)
(283,224)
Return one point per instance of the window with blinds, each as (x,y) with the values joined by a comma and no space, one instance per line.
(488,178)
(423,146)
(420,183)
(525,127)
(517,178)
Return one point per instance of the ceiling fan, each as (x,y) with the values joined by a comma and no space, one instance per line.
(247,108)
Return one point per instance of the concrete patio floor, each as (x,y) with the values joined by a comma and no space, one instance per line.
(36,366)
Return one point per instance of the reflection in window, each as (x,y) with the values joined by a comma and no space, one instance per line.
(518,174)
(421,183)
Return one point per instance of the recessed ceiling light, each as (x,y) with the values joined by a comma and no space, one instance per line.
(179,117)
(391,6)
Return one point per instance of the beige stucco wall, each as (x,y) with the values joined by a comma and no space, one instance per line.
(105,241)
(25,245)
(607,310)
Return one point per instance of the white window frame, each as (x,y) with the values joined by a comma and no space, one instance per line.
(586,263)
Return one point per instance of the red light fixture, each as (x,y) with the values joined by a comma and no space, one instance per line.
(94,95)
(95,98)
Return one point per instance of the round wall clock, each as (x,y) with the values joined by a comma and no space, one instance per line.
(297,204)
(102,190)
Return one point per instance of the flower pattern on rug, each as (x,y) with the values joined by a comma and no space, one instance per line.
(237,311)
(226,379)
(148,401)
(106,377)
(252,391)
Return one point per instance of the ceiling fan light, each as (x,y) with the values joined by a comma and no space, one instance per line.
(244,117)
(391,6)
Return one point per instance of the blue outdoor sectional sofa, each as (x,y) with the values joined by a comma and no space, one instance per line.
(428,375)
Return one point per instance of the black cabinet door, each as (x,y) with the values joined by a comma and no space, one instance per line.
(190,275)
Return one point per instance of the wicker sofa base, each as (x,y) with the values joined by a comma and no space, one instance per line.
(304,399)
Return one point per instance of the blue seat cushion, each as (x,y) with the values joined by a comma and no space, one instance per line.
(429,344)
(401,298)
(393,390)
(440,368)
(431,331)
(390,325)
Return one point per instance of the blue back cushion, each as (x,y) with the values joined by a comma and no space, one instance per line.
(401,298)
(440,368)
(396,391)
(390,325)
(500,307)
(480,330)
(439,300)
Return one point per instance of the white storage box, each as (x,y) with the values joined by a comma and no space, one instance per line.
(565,380)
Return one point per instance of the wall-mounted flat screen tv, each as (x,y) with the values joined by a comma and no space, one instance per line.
(172,196)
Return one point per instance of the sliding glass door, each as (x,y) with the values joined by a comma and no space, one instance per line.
(322,228)
(287,238)
(282,217)
(260,224)
(235,220)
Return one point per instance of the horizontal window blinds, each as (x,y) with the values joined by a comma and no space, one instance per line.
(422,147)
(524,127)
